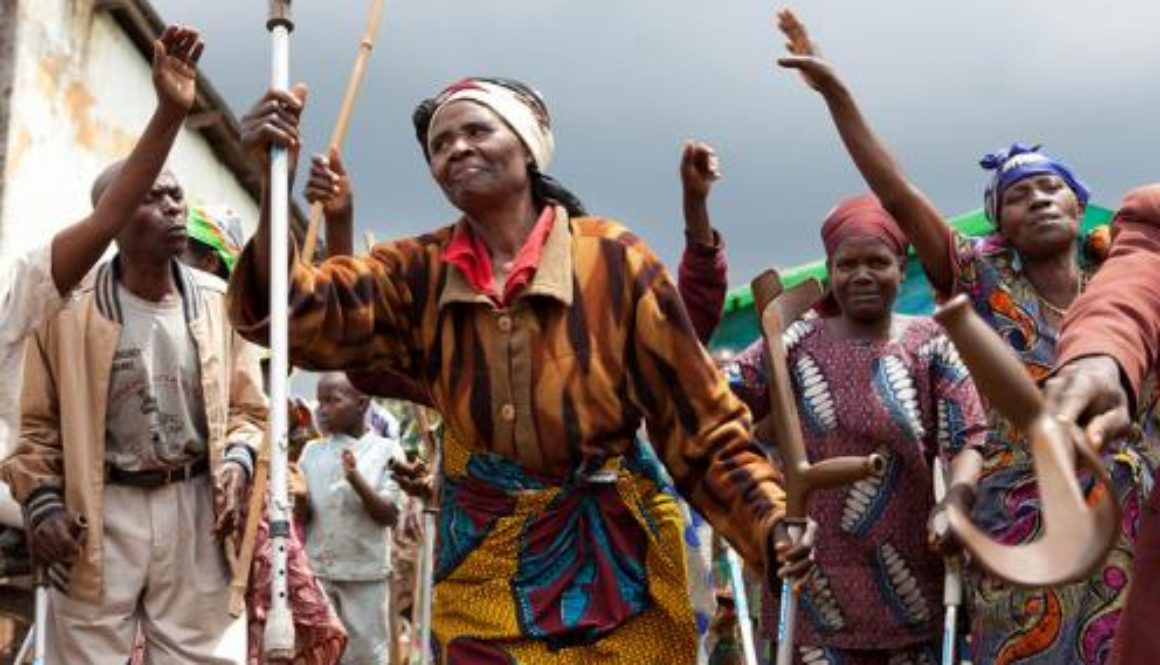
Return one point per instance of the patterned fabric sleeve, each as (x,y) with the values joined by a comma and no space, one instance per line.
(964,262)
(962,422)
(699,429)
(347,312)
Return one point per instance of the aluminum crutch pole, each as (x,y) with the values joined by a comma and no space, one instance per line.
(278,640)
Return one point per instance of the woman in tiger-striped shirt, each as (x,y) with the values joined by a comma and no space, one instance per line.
(544,336)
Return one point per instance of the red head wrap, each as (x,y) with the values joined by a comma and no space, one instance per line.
(861,216)
(857,216)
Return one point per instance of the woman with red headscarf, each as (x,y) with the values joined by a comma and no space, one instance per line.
(1022,280)
(870,381)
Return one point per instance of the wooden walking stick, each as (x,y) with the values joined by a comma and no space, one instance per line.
(1077,534)
(241,564)
(353,84)
(278,640)
(801,477)
(425,594)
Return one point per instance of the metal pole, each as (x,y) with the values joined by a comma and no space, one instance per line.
(741,605)
(953,565)
(278,641)
(787,619)
(430,526)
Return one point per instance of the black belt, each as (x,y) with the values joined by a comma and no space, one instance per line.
(155,477)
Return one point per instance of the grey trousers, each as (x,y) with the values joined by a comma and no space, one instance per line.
(362,606)
(165,572)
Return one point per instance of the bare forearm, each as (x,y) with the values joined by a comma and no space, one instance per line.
(923,225)
(77,248)
(340,234)
(697,224)
(383,512)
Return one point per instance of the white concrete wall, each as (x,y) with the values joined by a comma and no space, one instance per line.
(82,93)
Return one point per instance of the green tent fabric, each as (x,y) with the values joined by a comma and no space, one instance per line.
(739,324)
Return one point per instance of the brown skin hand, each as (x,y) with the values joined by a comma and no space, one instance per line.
(700,168)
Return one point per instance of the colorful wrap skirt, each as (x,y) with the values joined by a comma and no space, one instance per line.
(584,569)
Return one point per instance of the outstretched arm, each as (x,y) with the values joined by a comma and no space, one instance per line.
(923,225)
(77,248)
(701,277)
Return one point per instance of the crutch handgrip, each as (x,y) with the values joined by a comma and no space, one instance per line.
(1076,536)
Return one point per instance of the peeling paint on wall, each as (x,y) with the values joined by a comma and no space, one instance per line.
(81,94)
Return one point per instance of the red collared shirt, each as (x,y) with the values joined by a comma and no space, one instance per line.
(467,252)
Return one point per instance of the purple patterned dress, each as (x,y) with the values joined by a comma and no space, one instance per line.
(876,591)
(1070,624)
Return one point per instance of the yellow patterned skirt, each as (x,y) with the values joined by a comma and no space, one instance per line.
(588,569)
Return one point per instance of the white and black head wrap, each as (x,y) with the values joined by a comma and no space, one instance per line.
(524,111)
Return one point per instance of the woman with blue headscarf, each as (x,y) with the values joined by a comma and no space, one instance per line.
(1021,279)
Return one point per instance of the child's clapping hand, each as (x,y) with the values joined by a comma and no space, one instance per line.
(349,463)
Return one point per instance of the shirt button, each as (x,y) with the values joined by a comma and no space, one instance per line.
(507,412)
(505,323)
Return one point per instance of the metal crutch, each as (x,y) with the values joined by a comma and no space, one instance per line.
(278,640)
(953,565)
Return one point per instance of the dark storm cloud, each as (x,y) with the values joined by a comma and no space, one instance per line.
(627,80)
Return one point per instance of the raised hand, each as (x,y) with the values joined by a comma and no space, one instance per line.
(175,56)
(804,55)
(273,121)
(329,184)
(700,168)
(413,478)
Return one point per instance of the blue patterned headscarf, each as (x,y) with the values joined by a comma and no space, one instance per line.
(1019,162)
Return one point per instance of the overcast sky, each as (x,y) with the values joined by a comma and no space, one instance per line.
(628,80)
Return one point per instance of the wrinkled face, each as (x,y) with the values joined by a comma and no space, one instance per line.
(475,156)
(864,278)
(341,408)
(1039,216)
(158,227)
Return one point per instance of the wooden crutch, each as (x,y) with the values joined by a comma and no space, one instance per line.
(242,562)
(801,477)
(1076,535)
(353,85)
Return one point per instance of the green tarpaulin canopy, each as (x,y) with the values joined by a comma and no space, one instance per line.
(739,325)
